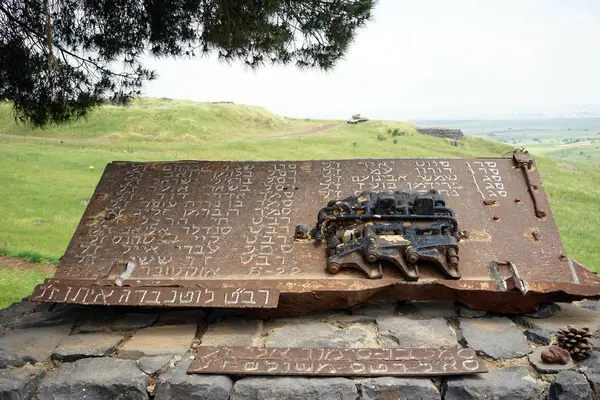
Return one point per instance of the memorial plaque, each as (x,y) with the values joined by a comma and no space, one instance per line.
(335,361)
(222,234)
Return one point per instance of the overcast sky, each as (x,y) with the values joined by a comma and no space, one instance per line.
(424,59)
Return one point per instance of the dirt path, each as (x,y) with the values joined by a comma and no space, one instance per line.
(52,139)
(19,263)
(312,131)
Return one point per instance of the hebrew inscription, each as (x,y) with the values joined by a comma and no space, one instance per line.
(335,361)
(158,296)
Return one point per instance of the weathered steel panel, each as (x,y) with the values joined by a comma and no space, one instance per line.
(335,361)
(199,224)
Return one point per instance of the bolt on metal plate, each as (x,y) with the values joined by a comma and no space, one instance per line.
(179,233)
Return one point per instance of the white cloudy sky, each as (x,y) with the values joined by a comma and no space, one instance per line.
(424,59)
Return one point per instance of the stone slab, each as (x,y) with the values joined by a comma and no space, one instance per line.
(95,379)
(570,385)
(159,340)
(568,314)
(321,334)
(386,388)
(152,364)
(513,383)
(535,358)
(31,345)
(17,384)
(538,336)
(176,384)
(544,311)
(402,331)
(233,332)
(281,388)
(497,337)
(74,347)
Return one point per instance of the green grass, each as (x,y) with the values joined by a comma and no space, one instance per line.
(44,184)
(17,283)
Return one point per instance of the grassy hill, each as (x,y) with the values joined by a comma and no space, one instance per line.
(47,176)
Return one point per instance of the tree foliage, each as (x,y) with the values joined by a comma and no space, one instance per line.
(60,58)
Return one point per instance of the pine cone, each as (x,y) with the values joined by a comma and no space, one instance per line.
(576,341)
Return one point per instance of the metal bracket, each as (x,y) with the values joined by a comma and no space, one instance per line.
(523,160)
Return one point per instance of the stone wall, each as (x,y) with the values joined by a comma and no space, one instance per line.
(76,352)
(454,134)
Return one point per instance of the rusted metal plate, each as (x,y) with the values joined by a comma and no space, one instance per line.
(192,225)
(186,296)
(335,361)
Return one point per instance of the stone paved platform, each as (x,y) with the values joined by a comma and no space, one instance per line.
(69,352)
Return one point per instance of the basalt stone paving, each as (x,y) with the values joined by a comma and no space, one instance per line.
(400,331)
(539,336)
(497,337)
(321,334)
(176,384)
(95,379)
(19,383)
(31,345)
(513,383)
(233,332)
(570,385)
(385,388)
(163,354)
(282,388)
(568,314)
(84,345)
(159,340)
(152,364)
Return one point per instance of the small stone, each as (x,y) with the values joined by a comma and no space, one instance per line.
(376,309)
(233,332)
(159,340)
(556,355)
(398,388)
(468,312)
(544,311)
(497,337)
(19,383)
(535,358)
(428,309)
(133,321)
(513,383)
(31,345)
(95,378)
(407,332)
(152,364)
(538,336)
(178,317)
(321,334)
(177,384)
(74,347)
(570,385)
(284,388)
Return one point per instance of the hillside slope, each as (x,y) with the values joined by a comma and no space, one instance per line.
(47,176)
